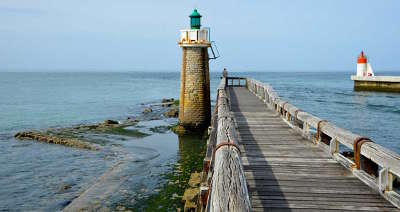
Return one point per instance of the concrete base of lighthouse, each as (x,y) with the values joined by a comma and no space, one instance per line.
(194,105)
(377,83)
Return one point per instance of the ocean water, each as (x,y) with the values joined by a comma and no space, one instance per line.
(46,177)
(33,175)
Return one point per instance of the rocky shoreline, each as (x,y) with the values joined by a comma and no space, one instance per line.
(107,137)
(43,137)
(74,136)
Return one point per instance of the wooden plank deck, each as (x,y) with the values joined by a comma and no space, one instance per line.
(286,172)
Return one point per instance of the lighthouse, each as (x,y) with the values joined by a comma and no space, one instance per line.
(194,105)
(365,80)
(364,69)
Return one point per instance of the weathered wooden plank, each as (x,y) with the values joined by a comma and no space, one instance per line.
(323,205)
(255,127)
(276,165)
(270,137)
(299,183)
(285,159)
(251,140)
(308,196)
(278,146)
(331,202)
(300,179)
(277,168)
(293,210)
(281,132)
(275,147)
(277,189)
(283,154)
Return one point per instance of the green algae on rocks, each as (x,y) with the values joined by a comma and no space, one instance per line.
(160,129)
(169,198)
(126,132)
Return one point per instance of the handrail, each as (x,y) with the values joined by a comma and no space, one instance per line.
(226,182)
(243,78)
(238,79)
(379,166)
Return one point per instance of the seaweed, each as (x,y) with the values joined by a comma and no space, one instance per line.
(169,198)
(160,129)
(126,132)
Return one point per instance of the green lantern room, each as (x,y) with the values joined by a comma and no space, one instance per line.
(196,34)
(195,20)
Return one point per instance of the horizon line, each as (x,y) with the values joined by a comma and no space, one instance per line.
(172,71)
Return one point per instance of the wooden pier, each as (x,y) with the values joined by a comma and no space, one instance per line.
(264,154)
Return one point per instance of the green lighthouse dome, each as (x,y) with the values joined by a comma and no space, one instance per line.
(195,20)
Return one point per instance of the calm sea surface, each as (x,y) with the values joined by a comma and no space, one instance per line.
(33,175)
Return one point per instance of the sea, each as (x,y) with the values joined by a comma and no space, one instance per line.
(46,177)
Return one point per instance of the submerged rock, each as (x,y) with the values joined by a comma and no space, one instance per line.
(121,130)
(120,208)
(147,110)
(168,104)
(155,118)
(159,129)
(108,126)
(172,113)
(165,100)
(133,119)
(194,180)
(73,137)
(110,122)
(190,197)
(65,187)
(47,138)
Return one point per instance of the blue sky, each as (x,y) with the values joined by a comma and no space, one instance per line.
(124,35)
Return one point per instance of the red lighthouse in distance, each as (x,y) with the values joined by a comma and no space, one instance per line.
(365,80)
(363,67)
(362,58)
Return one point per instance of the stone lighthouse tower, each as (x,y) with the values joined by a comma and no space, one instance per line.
(194,106)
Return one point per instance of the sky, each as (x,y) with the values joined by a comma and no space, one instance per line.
(256,35)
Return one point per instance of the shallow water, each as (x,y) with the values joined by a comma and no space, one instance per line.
(136,174)
(38,176)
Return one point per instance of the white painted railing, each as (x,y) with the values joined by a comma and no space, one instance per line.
(194,36)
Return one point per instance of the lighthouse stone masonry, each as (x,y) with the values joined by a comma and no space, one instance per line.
(194,105)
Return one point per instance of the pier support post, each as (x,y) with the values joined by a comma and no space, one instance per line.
(385,180)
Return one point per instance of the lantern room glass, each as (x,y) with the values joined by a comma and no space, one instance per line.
(195,20)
